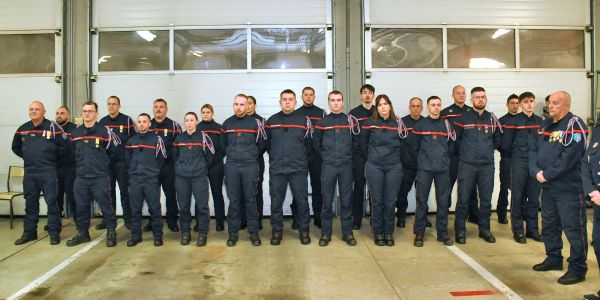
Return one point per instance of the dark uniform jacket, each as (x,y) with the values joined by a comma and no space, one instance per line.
(520,134)
(243,139)
(314,113)
(409,157)
(382,142)
(67,160)
(123,127)
(433,144)
(361,114)
(332,139)
(144,155)
(506,119)
(213,129)
(191,154)
(477,136)
(287,142)
(168,131)
(40,146)
(590,164)
(92,149)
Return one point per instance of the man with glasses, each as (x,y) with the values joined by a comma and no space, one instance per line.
(93,146)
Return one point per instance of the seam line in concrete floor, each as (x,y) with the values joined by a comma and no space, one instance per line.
(30,244)
(38,281)
(380,268)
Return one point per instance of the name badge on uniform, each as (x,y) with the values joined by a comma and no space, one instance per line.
(48,134)
(121,128)
(97,143)
(166,131)
(595,145)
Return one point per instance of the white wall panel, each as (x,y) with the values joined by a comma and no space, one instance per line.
(401,86)
(17,94)
(188,92)
(30,14)
(116,13)
(488,12)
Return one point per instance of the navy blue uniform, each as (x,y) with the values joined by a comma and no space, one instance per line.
(168,131)
(450,113)
(558,154)
(66,173)
(477,135)
(145,157)
(332,141)
(123,127)
(93,146)
(216,169)
(190,152)
(315,164)
(287,143)
(259,183)
(40,147)
(243,141)
(505,163)
(359,160)
(409,163)
(434,145)
(520,134)
(383,169)
(590,176)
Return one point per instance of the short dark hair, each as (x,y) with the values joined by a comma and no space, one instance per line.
(526,95)
(65,107)
(91,103)
(115,97)
(191,113)
(251,98)
(207,106)
(547,98)
(335,92)
(432,98)
(145,115)
(368,87)
(477,89)
(287,91)
(308,88)
(512,96)
(160,100)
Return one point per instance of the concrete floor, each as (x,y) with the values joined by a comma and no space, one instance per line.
(289,271)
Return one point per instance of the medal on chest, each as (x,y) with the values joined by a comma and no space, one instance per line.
(121,128)
(97,143)
(166,131)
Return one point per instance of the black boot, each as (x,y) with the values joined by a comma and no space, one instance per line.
(232,239)
(26,237)
(418,240)
(349,239)
(255,239)
(136,238)
(276,238)
(83,236)
(389,239)
(54,238)
(186,237)
(158,241)
(111,238)
(304,238)
(324,240)
(379,241)
(202,239)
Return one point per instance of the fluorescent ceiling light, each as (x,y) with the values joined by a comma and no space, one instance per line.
(147,35)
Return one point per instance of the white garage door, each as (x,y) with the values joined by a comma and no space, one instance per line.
(424,48)
(30,58)
(195,52)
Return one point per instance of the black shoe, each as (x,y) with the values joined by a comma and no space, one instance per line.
(317,221)
(473,220)
(46,227)
(445,240)
(461,238)
(349,239)
(255,239)
(379,241)
(26,237)
(202,239)
(276,238)
(111,238)
(428,224)
(401,223)
(174,228)
(220,228)
(502,220)
(158,241)
(520,238)
(186,237)
(148,227)
(305,238)
(536,236)
(100,226)
(54,238)
(294,225)
(196,228)
(83,236)
(232,239)
(570,278)
(418,240)
(547,266)
(134,240)
(592,296)
(356,226)
(389,240)
(324,240)
(487,236)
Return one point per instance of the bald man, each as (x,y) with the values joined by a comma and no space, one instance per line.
(40,142)
(556,163)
